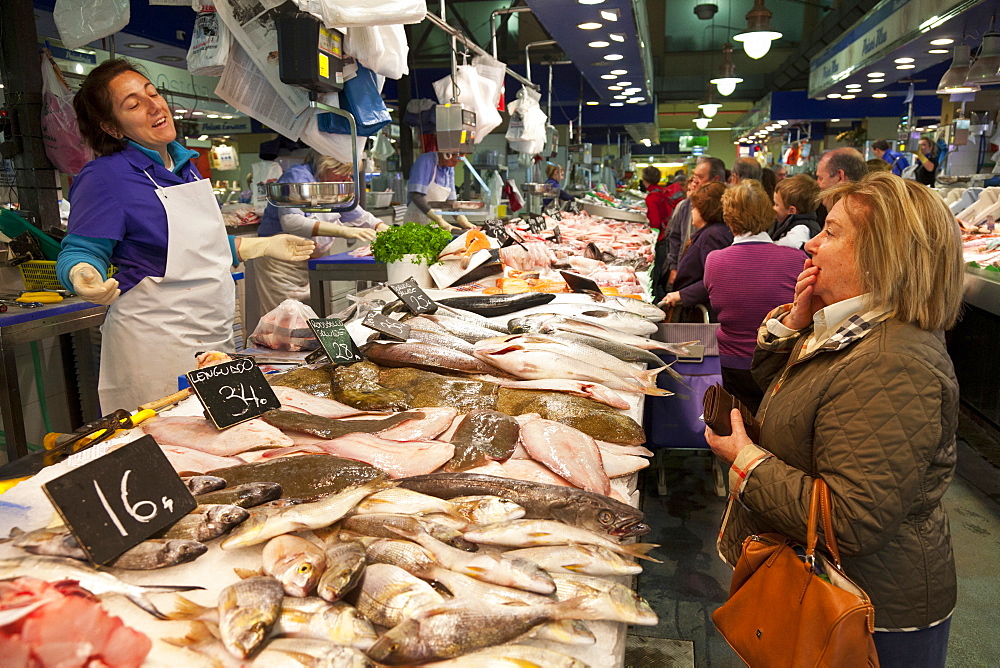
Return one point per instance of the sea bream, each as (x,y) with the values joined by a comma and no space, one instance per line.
(583,559)
(389,595)
(297,563)
(206,522)
(530,533)
(345,564)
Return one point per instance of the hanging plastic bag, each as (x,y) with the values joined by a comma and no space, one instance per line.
(210,41)
(354,13)
(382,49)
(361,97)
(475,93)
(336,146)
(526,132)
(60,132)
(383,147)
(80,22)
(286,327)
(420,114)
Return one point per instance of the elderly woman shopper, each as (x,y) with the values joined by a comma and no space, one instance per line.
(745,282)
(142,206)
(711,234)
(862,393)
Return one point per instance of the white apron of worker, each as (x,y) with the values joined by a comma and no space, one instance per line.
(437,195)
(152,332)
(277,280)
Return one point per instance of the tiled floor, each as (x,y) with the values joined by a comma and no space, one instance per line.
(693,581)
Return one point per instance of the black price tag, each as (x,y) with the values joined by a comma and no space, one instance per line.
(579,283)
(335,340)
(118,500)
(415,299)
(536,224)
(233,392)
(556,235)
(573,207)
(494,227)
(388,326)
(552,211)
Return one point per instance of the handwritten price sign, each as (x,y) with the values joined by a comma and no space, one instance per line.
(388,326)
(415,299)
(233,392)
(335,340)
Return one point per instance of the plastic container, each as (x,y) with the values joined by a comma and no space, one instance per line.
(378,200)
(41,275)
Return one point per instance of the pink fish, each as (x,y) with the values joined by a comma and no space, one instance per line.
(433,424)
(189,460)
(200,434)
(297,400)
(399,460)
(568,452)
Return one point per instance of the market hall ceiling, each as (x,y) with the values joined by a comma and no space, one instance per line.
(685,51)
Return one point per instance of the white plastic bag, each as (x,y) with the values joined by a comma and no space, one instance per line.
(354,13)
(334,145)
(60,131)
(286,328)
(223,157)
(264,171)
(210,41)
(526,132)
(80,22)
(476,93)
(382,49)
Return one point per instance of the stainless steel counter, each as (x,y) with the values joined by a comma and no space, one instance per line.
(982,289)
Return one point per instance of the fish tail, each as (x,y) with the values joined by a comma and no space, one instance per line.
(15,532)
(187,609)
(199,633)
(246,573)
(640,550)
(404,532)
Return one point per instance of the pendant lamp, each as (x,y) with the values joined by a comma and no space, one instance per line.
(986,69)
(702,123)
(709,107)
(758,36)
(726,83)
(954,79)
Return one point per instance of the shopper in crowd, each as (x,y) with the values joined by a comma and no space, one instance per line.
(710,234)
(897,161)
(554,174)
(142,206)
(928,157)
(744,168)
(781,173)
(769,181)
(745,282)
(878,165)
(277,280)
(432,187)
(837,166)
(661,202)
(795,202)
(862,393)
(707,170)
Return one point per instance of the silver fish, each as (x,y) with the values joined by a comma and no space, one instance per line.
(207,522)
(486,509)
(247,611)
(53,569)
(345,564)
(530,533)
(465,587)
(463,329)
(317,619)
(622,351)
(305,653)
(441,338)
(406,554)
(159,553)
(608,600)
(49,543)
(246,495)
(400,500)
(202,484)
(564,632)
(388,595)
(585,559)
(511,656)
(380,526)
(637,306)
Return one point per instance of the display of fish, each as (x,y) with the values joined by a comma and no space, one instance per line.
(409,556)
(397,500)
(482,435)
(567,452)
(470,589)
(439,337)
(486,566)
(54,569)
(457,628)
(395,458)
(247,611)
(333,428)
(579,388)
(434,422)
(588,416)
(306,653)
(423,356)
(495,305)
(305,476)
(345,563)
(531,533)
(206,522)
(191,461)
(200,434)
(614,602)
(511,656)
(265,524)
(381,526)
(246,495)
(297,563)
(574,507)
(486,509)
(303,402)
(564,632)
(316,619)
(463,329)
(388,595)
(203,484)
(585,559)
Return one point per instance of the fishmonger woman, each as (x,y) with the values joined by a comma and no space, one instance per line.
(142,206)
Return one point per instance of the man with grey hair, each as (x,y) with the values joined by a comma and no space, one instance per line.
(839,165)
(745,168)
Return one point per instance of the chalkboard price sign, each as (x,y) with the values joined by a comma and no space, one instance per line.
(233,392)
(415,299)
(388,326)
(573,207)
(494,227)
(536,224)
(335,340)
(556,235)
(579,283)
(118,500)
(552,211)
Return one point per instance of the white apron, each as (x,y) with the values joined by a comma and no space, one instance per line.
(436,196)
(152,332)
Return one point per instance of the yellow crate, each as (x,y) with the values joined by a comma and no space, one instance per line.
(41,275)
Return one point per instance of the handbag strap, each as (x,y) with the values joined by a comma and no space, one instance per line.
(820,510)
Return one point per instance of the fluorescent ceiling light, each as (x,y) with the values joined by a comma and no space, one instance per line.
(212,116)
(609,76)
(226,118)
(872,75)
(614,87)
(937,50)
(876,80)
(138,45)
(617,37)
(617,104)
(610,14)
(79,68)
(903,60)
(647,142)
(944,41)
(633,100)
(931,23)
(178,117)
(834,120)
(905,67)
(589,25)
(599,44)
(621,97)
(619,72)
(782,122)
(613,56)
(197,113)
(879,95)
(834,95)
(625,83)
(170,59)
(590,2)
(592,103)
(847,97)
(202,137)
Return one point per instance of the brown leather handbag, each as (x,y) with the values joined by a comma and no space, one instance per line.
(790,610)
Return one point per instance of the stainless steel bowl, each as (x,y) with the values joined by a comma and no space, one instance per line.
(310,194)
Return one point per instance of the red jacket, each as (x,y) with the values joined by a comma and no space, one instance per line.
(660,204)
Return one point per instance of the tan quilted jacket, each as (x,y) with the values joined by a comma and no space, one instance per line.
(876,420)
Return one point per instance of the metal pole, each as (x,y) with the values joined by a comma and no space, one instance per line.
(549,111)
(454,60)
(493,27)
(527,59)
(437,21)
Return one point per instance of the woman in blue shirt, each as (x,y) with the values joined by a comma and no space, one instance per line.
(142,206)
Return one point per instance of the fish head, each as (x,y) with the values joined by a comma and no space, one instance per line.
(227,515)
(401,645)
(248,637)
(299,576)
(602,515)
(341,578)
(259,492)
(182,551)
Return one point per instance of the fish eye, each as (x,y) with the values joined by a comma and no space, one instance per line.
(605,517)
(305,568)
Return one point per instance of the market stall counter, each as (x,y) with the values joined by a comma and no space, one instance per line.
(72,317)
(341,267)
(972,345)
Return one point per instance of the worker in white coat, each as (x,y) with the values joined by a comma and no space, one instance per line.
(143,206)
(432,188)
(276,279)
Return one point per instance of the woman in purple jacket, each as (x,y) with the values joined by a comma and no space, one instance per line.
(745,282)
(711,234)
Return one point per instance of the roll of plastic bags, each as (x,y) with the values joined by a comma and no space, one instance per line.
(60,132)
(476,93)
(382,49)
(526,132)
(210,41)
(80,22)
(357,13)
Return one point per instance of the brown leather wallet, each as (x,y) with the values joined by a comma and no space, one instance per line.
(717,404)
